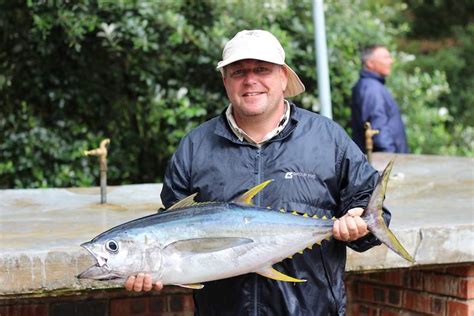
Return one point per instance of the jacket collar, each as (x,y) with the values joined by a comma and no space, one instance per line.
(224,130)
(364,73)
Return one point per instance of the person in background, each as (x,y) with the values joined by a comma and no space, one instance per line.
(373,103)
(261,135)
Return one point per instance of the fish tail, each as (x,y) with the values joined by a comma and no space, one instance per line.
(375,222)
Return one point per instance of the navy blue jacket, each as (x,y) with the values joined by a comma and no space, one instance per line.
(372,102)
(316,168)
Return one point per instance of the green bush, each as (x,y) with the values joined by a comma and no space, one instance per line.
(142,74)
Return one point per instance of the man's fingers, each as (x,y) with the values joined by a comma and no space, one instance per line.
(158,286)
(147,284)
(355,211)
(340,230)
(138,286)
(350,227)
(361,227)
(130,282)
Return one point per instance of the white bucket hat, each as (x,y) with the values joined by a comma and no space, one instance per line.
(260,45)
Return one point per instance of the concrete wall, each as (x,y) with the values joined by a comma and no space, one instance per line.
(441,290)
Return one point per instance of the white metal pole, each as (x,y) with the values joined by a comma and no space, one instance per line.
(322,58)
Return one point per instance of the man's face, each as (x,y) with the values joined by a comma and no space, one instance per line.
(255,87)
(380,62)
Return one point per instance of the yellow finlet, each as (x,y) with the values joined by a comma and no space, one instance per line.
(271,273)
(305,215)
(294,213)
(247,197)
(315,216)
(324,217)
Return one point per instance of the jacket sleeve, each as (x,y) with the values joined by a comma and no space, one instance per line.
(374,110)
(176,184)
(359,179)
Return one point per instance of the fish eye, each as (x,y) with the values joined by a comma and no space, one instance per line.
(111,246)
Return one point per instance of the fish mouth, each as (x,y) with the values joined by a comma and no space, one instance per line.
(100,270)
(101,261)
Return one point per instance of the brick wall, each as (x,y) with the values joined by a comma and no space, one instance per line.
(171,302)
(445,291)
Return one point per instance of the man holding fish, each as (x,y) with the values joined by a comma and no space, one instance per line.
(316,170)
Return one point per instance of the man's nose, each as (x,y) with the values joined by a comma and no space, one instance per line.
(250,77)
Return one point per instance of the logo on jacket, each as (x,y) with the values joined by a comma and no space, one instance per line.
(291,175)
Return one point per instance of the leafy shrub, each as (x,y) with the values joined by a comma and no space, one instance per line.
(142,74)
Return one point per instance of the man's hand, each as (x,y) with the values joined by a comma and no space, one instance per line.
(351,226)
(142,282)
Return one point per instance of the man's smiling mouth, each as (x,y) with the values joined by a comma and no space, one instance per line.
(252,94)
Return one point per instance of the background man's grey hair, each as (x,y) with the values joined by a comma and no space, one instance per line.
(367,52)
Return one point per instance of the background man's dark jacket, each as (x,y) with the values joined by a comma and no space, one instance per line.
(316,168)
(372,102)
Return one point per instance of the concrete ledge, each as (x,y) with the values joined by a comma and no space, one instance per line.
(431,199)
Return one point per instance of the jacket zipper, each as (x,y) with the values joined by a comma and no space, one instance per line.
(258,179)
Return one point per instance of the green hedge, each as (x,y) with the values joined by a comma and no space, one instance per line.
(142,74)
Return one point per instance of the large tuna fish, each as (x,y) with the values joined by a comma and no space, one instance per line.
(191,242)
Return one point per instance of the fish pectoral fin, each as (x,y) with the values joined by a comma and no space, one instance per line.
(187,201)
(205,245)
(247,197)
(271,273)
(191,286)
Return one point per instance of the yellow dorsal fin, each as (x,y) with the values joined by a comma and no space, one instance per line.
(187,201)
(247,197)
(191,286)
(271,273)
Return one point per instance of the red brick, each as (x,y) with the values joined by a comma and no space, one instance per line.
(158,304)
(129,306)
(352,309)
(181,303)
(367,310)
(384,312)
(449,285)
(24,310)
(459,308)
(413,280)
(365,292)
(394,297)
(389,277)
(424,303)
(466,288)
(467,271)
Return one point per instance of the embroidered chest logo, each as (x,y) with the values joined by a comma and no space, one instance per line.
(291,175)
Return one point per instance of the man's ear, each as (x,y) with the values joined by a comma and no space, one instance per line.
(284,75)
(369,64)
